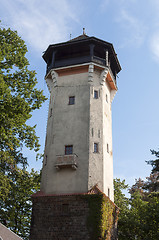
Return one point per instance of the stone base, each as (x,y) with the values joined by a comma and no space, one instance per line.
(67,217)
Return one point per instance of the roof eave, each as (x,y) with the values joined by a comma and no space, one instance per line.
(87,39)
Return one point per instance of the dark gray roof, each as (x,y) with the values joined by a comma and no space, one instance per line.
(6,234)
(83,36)
(79,43)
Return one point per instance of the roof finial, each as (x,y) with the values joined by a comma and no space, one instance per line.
(84,33)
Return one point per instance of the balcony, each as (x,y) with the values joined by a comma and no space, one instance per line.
(66,161)
(68,61)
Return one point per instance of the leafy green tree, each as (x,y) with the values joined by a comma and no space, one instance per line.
(143,218)
(152,217)
(17,207)
(119,197)
(123,203)
(146,219)
(18,98)
(139,214)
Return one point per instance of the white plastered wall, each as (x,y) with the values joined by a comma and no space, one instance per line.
(86,122)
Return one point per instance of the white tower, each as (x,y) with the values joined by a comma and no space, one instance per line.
(81,78)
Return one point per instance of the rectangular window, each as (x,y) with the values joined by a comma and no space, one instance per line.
(69,150)
(92,132)
(99,133)
(50,112)
(45,160)
(95,94)
(107,148)
(71,100)
(108,192)
(53,139)
(106,98)
(96,150)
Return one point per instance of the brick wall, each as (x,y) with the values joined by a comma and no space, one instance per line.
(60,218)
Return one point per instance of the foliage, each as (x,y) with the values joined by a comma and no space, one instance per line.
(16,208)
(18,98)
(139,215)
(153,179)
(144,218)
(119,197)
(102,213)
(123,203)
(154,163)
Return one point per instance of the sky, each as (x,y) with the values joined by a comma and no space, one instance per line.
(132,27)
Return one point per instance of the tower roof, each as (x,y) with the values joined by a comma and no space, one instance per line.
(80,37)
(80,46)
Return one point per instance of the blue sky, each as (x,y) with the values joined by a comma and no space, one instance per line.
(133,28)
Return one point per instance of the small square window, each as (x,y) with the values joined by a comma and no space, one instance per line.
(69,150)
(95,94)
(71,100)
(96,150)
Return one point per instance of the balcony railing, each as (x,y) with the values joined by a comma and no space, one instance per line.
(99,60)
(66,161)
(80,60)
(68,62)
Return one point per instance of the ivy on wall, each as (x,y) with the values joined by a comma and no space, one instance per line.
(103,215)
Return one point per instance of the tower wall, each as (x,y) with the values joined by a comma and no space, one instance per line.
(96,133)
(101,163)
(83,124)
(67,125)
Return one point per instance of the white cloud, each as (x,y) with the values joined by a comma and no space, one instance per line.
(134,28)
(41,22)
(154,45)
(154,31)
(140,26)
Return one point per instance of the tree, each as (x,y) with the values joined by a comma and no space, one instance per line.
(145,199)
(152,183)
(139,214)
(18,98)
(154,163)
(119,197)
(145,224)
(123,203)
(143,217)
(16,209)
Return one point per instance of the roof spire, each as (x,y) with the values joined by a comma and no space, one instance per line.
(84,33)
